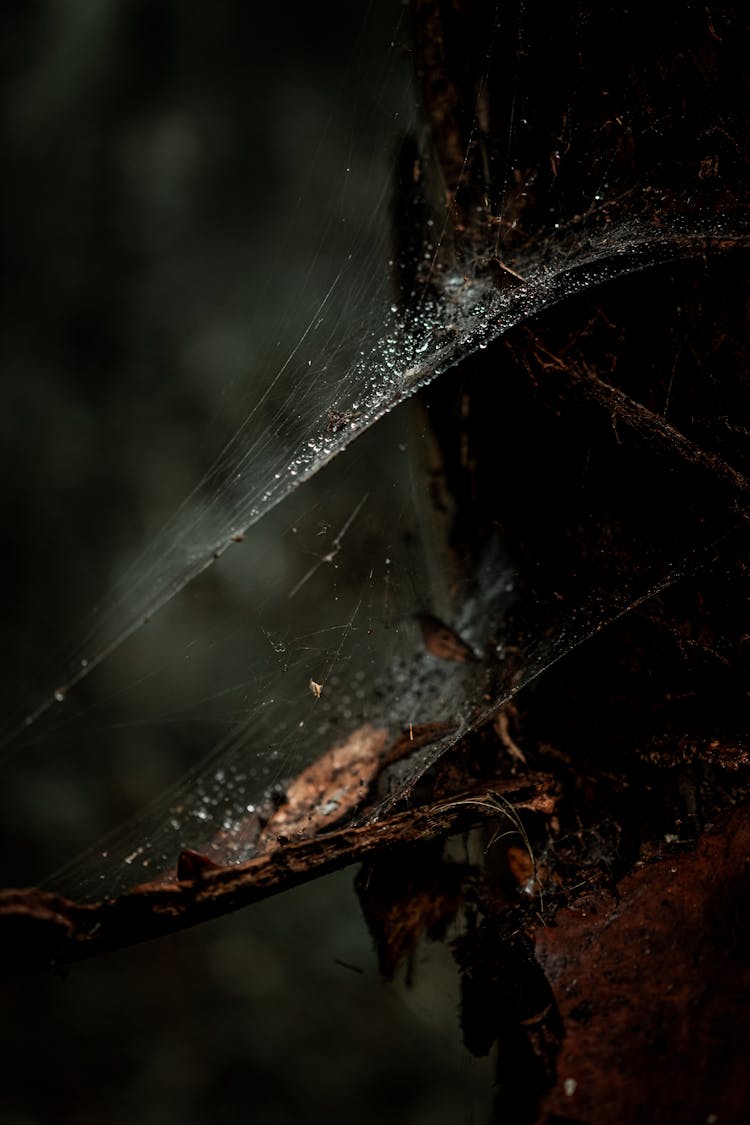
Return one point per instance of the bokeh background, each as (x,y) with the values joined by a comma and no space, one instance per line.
(181,185)
(179,181)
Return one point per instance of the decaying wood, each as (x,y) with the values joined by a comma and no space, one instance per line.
(654,984)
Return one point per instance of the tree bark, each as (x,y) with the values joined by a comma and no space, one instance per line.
(606,442)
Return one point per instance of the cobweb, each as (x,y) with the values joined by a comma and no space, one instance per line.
(317,516)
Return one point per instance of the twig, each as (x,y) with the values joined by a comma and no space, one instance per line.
(39,930)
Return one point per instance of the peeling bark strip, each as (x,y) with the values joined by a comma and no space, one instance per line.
(38,930)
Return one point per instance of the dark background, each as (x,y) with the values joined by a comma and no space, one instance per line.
(169,171)
(176,201)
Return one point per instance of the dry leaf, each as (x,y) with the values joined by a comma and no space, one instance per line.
(443,642)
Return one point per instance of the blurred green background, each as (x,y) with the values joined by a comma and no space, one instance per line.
(181,182)
(173,185)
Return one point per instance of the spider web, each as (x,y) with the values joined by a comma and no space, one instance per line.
(309,597)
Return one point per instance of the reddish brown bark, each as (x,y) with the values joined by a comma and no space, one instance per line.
(653,988)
